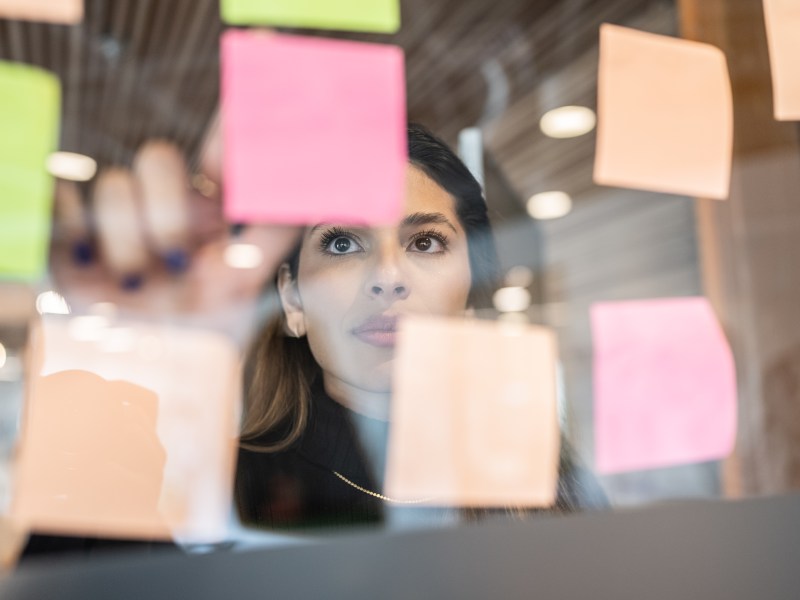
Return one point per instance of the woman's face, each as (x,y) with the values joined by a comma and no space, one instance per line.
(354,283)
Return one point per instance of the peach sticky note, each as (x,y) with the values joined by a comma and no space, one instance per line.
(313,129)
(30,109)
(381,16)
(664,384)
(128,430)
(783,36)
(473,414)
(68,12)
(665,114)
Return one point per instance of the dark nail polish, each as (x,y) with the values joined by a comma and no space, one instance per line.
(177,261)
(132,282)
(236,229)
(82,253)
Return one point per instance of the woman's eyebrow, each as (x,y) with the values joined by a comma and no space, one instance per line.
(426,218)
(319,226)
(325,224)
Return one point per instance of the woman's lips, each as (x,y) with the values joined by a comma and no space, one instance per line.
(380,331)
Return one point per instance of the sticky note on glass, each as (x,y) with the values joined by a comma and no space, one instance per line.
(664,384)
(313,129)
(380,16)
(30,110)
(128,431)
(665,114)
(473,414)
(782,18)
(67,12)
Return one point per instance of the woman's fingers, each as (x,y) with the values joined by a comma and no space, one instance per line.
(118,226)
(151,211)
(160,172)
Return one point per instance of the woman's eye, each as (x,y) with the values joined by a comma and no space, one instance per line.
(342,245)
(427,243)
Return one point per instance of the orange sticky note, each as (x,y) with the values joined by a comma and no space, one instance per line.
(665,114)
(664,384)
(782,18)
(473,414)
(128,430)
(313,129)
(68,12)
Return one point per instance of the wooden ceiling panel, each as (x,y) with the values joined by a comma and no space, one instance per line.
(138,69)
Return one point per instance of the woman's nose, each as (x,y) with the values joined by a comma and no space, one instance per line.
(389,289)
(386,280)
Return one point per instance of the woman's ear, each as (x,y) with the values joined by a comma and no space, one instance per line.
(295,322)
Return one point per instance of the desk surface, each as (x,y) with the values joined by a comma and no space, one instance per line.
(706,550)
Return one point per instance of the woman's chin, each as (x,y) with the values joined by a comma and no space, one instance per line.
(379,379)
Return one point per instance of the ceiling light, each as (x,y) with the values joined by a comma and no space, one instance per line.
(549,205)
(568,121)
(71,166)
(511,299)
(243,256)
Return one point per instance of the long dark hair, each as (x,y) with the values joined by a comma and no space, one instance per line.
(280,370)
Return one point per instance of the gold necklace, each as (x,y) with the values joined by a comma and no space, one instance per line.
(377,495)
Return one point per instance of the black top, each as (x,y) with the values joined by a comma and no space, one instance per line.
(298,487)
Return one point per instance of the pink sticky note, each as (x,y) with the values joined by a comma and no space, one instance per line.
(665,114)
(313,129)
(664,384)
(54,11)
(782,18)
(129,430)
(473,414)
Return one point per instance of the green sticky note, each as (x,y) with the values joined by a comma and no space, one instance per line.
(381,16)
(30,111)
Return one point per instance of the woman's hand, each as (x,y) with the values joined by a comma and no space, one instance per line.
(154,245)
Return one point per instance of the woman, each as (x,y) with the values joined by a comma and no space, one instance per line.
(319,375)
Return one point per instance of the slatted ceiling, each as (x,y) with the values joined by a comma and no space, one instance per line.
(474,34)
(71,75)
(129,78)
(529,171)
(553,41)
(570,85)
(532,161)
(136,69)
(450,93)
(576,181)
(127,72)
